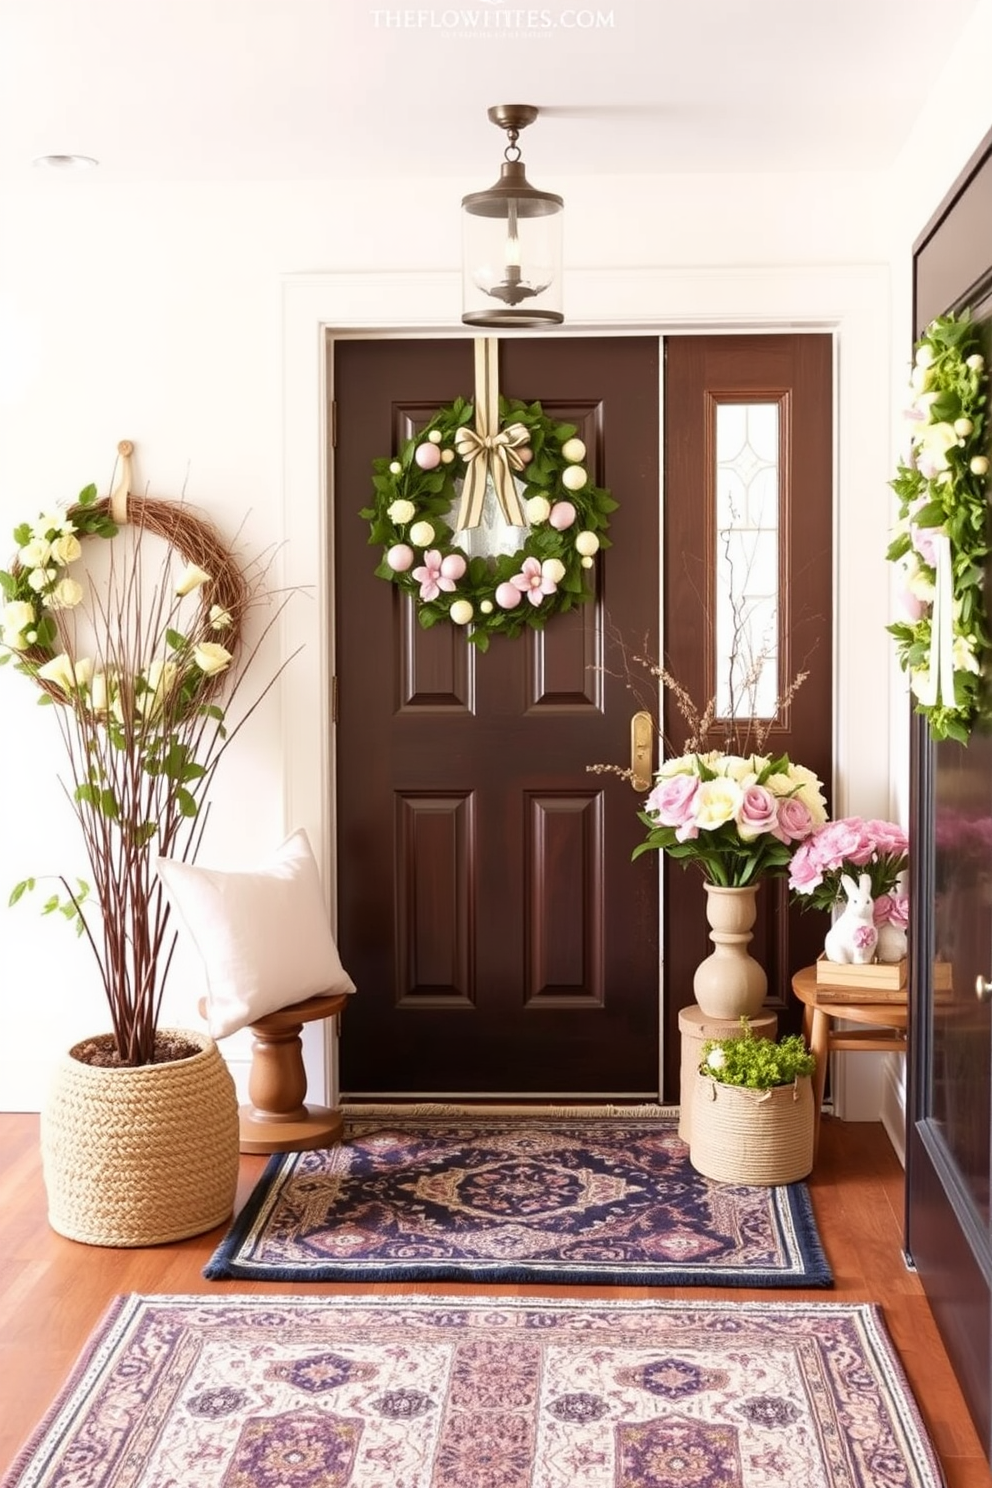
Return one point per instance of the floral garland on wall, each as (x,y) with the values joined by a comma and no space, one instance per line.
(418,517)
(941,540)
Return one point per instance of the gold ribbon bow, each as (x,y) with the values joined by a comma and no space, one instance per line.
(489,452)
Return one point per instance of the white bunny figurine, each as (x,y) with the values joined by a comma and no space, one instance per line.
(853,937)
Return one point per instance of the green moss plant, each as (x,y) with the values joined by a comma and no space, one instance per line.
(757,1063)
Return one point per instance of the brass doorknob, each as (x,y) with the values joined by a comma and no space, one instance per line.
(641,752)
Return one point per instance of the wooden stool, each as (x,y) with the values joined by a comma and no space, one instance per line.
(277,1118)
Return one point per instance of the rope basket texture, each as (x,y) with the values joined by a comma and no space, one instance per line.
(759,1137)
(141,1156)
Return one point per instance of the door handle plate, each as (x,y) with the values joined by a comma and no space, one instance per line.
(641,752)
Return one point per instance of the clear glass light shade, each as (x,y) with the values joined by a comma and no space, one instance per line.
(512,254)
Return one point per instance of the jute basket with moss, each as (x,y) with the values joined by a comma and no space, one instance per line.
(752,1110)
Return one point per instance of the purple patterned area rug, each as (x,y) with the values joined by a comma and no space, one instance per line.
(596,1200)
(363,1392)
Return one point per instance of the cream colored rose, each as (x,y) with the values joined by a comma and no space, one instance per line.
(66,549)
(211,658)
(18,616)
(735,767)
(401,511)
(40,578)
(191,578)
(717,801)
(35,554)
(220,618)
(679,764)
(65,596)
(58,670)
(805,786)
(161,676)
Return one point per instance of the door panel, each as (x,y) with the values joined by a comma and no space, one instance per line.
(950,1089)
(501,939)
(794,375)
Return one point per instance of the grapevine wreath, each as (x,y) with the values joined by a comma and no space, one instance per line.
(40,584)
(434,490)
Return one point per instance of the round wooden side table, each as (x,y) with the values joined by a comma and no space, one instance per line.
(824,1004)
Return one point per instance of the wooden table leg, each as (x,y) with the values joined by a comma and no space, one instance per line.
(816,1032)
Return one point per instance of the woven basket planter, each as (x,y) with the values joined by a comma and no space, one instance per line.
(141,1156)
(761,1137)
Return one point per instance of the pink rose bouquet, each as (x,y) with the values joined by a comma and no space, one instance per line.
(737,817)
(853,846)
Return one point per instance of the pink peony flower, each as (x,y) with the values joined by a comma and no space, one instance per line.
(887,837)
(865,937)
(805,870)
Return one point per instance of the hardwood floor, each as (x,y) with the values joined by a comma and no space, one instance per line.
(53,1291)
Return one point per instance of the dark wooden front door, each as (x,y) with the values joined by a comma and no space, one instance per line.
(948,1220)
(500,938)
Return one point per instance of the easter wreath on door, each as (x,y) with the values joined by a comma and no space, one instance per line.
(501,471)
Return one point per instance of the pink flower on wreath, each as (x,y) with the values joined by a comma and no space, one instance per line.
(536,579)
(433,575)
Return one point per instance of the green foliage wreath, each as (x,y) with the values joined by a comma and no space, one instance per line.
(943,494)
(416,500)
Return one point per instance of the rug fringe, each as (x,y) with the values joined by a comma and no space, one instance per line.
(508,1108)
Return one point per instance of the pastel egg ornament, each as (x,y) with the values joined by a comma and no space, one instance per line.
(562,515)
(422,533)
(427,456)
(461,611)
(574,477)
(400,557)
(573,450)
(587,543)
(508,596)
(453,567)
(537,509)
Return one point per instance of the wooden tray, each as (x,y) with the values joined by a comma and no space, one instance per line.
(876,977)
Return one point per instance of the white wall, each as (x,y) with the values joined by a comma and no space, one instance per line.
(156,313)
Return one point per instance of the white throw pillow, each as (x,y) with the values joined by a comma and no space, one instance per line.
(264,936)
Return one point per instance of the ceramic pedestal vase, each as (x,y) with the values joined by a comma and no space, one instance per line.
(141,1156)
(730,983)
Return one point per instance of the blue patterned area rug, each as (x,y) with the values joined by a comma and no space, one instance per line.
(595,1200)
(455,1392)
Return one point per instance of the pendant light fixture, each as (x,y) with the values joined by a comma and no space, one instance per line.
(511,241)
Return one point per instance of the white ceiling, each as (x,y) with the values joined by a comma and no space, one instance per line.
(302,89)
